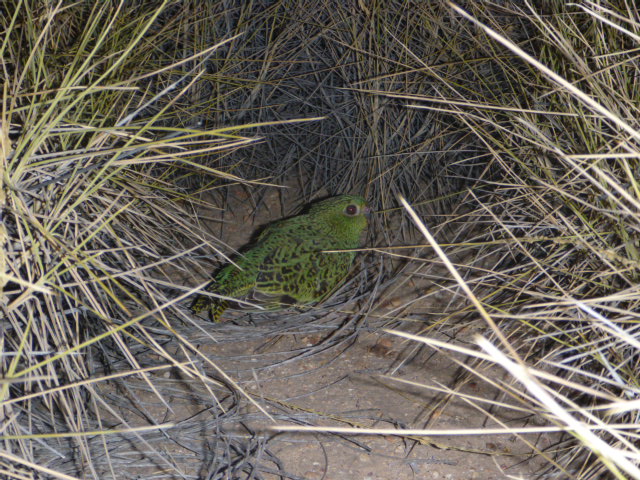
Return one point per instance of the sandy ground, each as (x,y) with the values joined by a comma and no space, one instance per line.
(352,388)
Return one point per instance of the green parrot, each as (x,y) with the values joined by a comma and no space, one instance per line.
(288,264)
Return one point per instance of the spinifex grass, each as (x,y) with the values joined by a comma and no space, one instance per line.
(105,109)
(98,132)
(550,91)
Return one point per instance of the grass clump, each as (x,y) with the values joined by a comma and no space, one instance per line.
(510,128)
(99,135)
(554,267)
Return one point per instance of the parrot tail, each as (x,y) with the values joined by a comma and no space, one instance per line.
(216,307)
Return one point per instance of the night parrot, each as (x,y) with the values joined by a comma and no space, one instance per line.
(288,264)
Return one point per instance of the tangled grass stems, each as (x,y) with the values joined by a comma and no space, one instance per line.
(94,226)
(510,128)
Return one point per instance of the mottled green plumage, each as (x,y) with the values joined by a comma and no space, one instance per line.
(288,264)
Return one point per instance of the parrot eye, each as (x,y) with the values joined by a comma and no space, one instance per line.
(351,210)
